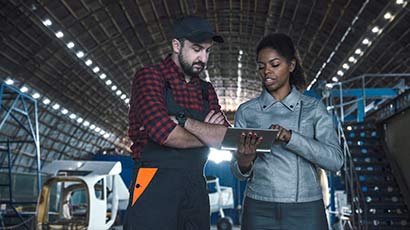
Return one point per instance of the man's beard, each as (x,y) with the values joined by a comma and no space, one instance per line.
(189,69)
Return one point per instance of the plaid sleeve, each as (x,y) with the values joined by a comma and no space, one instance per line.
(214,103)
(148,107)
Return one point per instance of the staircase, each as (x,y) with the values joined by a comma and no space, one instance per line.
(386,208)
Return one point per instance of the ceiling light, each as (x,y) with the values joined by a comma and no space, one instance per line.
(56,106)
(36,95)
(340,73)
(64,111)
(114,87)
(127,100)
(88,62)
(358,51)
(375,29)
(9,82)
(240,52)
(23,89)
(123,96)
(107,135)
(47,22)
(72,116)
(346,66)
(70,45)
(103,76)
(97,129)
(96,69)
(365,41)
(239,65)
(80,54)
(399,2)
(118,92)
(352,59)
(349,127)
(86,123)
(59,34)
(108,82)
(102,132)
(387,15)
(335,79)
(46,101)
(79,120)
(92,127)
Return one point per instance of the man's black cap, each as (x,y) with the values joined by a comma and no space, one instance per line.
(195,29)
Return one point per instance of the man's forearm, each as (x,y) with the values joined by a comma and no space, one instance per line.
(182,139)
(209,134)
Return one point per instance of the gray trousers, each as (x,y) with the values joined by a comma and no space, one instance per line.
(262,215)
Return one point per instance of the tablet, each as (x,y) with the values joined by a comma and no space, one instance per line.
(233,135)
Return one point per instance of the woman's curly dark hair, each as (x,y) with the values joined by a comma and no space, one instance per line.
(283,44)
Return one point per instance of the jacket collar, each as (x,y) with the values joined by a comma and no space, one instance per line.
(266,100)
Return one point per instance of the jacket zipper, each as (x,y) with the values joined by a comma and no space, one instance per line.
(297,178)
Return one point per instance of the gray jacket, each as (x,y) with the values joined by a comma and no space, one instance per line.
(288,173)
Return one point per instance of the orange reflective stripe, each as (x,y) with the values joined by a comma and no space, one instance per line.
(144,177)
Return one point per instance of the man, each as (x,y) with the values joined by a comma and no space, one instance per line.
(174,117)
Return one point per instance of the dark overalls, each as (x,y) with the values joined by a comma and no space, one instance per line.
(169,189)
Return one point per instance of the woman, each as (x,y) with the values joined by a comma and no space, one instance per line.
(283,189)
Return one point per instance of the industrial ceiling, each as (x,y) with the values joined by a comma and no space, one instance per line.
(82,55)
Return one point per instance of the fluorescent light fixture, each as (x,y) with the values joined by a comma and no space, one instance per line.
(365,41)
(36,95)
(345,66)
(329,85)
(219,156)
(103,76)
(64,111)
(46,101)
(47,22)
(80,54)
(102,132)
(358,51)
(123,96)
(107,135)
(79,120)
(56,106)
(24,89)
(340,73)
(375,29)
(399,2)
(59,34)
(70,45)
(9,81)
(86,123)
(352,59)
(72,116)
(96,69)
(92,127)
(97,129)
(88,62)
(335,79)
(387,15)
(108,82)
(118,92)
(127,100)
(239,65)
(114,87)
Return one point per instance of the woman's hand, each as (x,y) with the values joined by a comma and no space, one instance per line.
(246,152)
(283,135)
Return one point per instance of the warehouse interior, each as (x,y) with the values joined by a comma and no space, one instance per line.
(66,68)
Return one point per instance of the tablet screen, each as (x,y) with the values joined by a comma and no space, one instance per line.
(233,135)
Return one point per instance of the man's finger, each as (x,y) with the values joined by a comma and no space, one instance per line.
(209,115)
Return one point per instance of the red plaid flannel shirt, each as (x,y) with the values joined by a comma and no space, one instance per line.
(148,115)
